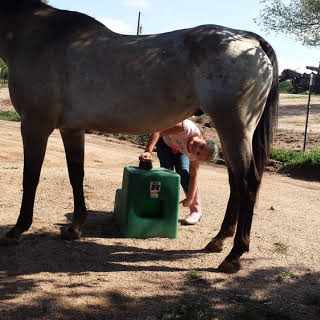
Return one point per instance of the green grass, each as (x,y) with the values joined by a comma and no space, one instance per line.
(281,247)
(285,87)
(302,96)
(297,158)
(287,274)
(290,274)
(193,275)
(9,116)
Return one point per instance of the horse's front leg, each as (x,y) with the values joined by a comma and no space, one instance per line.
(73,141)
(34,144)
(229,223)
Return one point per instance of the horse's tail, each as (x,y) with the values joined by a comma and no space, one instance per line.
(263,135)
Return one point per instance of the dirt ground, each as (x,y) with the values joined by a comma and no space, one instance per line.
(291,123)
(106,276)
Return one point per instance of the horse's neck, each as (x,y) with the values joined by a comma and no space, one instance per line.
(6,36)
(15,22)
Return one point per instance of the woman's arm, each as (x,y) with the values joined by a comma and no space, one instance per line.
(177,128)
(193,182)
(152,141)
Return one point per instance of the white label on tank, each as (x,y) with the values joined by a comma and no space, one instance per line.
(155,187)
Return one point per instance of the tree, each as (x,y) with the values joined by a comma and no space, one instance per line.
(299,18)
(3,66)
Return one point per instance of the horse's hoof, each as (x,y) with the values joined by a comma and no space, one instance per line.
(229,267)
(10,241)
(214,246)
(69,233)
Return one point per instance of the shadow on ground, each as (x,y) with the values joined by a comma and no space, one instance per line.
(197,298)
(299,109)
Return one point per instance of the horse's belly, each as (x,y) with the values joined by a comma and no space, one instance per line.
(127,113)
(130,102)
(126,120)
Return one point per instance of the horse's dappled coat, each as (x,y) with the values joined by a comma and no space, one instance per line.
(68,71)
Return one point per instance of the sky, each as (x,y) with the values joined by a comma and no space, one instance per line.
(158,16)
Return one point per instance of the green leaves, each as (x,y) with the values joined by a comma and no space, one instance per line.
(300,18)
(4,70)
(297,158)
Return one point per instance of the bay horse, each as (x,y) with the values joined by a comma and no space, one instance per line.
(67,71)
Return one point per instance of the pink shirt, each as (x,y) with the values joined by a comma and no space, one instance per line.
(179,142)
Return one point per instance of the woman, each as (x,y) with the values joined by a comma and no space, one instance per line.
(182,147)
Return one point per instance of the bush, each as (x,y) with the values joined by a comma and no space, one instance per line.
(297,158)
(136,139)
(4,70)
(9,116)
(285,87)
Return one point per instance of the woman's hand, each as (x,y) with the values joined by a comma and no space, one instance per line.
(145,156)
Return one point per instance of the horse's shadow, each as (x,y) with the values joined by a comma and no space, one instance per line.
(99,224)
(45,251)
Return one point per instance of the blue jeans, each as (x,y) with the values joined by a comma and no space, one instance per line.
(174,161)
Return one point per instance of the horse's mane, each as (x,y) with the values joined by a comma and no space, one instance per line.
(20,4)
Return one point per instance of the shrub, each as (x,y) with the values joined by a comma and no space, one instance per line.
(285,87)
(4,70)
(297,158)
(9,116)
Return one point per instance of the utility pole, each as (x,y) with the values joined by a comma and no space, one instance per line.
(139,27)
(311,84)
(317,81)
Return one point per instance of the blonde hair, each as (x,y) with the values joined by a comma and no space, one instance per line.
(214,150)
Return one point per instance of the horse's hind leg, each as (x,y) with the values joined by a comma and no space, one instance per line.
(73,141)
(246,182)
(248,185)
(229,223)
(34,144)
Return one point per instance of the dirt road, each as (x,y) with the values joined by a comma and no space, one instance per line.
(104,276)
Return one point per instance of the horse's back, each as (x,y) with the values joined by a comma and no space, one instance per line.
(101,79)
(159,74)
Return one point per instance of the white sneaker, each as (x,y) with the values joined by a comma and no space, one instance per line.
(192,218)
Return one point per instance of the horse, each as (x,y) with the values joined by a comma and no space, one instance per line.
(68,71)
